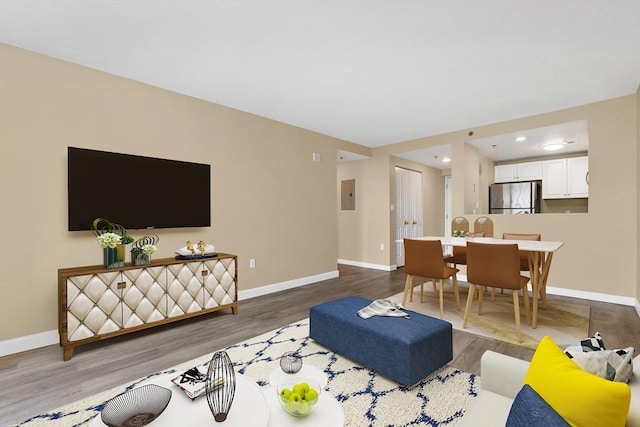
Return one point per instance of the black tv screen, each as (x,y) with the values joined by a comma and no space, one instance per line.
(136,192)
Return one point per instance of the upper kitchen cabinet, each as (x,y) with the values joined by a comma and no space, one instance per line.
(565,178)
(529,171)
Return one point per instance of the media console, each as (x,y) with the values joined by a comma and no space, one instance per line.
(95,303)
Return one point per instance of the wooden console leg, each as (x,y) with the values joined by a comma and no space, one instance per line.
(234,309)
(67,352)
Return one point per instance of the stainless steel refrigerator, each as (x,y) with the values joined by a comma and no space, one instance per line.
(515,198)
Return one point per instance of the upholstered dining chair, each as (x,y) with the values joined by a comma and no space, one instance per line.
(483,224)
(525,265)
(459,255)
(423,258)
(524,255)
(496,266)
(460,223)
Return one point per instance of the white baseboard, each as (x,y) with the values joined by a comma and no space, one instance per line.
(592,296)
(283,286)
(368,265)
(29,342)
(43,339)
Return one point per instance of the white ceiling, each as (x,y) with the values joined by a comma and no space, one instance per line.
(369,72)
(501,148)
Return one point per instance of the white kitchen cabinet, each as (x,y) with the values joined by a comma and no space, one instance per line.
(529,171)
(565,178)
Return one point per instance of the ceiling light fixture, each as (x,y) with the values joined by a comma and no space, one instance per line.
(446,160)
(554,145)
(521,138)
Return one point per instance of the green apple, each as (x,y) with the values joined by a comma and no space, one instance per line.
(294,402)
(285,393)
(304,408)
(299,389)
(311,395)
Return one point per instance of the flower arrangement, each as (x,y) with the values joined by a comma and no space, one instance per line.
(109,240)
(113,238)
(143,248)
(109,233)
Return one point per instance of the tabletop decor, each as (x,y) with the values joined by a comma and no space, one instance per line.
(220,397)
(113,238)
(137,407)
(368,399)
(290,362)
(199,250)
(299,398)
(142,249)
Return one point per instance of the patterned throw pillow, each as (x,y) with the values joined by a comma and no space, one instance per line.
(594,343)
(590,354)
(613,365)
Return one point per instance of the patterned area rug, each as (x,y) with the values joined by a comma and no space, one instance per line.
(367,398)
(564,322)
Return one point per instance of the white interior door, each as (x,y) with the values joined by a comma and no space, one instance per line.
(447,205)
(408,208)
(447,208)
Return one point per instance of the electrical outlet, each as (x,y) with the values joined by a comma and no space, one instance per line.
(252,263)
(382,246)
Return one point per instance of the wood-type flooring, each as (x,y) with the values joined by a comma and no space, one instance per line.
(39,380)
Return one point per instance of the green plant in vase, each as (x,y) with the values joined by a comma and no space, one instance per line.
(113,238)
(143,248)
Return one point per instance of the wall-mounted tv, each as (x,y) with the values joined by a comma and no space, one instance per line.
(135,191)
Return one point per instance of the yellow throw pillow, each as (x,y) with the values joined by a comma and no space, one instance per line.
(581,398)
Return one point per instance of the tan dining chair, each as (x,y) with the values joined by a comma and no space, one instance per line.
(524,255)
(423,258)
(495,266)
(459,223)
(525,262)
(459,255)
(483,224)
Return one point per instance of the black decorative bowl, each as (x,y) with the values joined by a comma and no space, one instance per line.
(137,407)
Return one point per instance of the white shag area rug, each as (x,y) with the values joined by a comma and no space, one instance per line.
(368,399)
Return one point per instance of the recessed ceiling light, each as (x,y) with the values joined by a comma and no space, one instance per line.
(446,160)
(554,145)
(521,138)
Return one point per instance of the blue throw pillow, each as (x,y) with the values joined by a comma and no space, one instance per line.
(529,409)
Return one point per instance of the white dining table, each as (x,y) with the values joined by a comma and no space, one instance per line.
(540,255)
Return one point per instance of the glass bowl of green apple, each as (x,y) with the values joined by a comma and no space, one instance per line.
(299,397)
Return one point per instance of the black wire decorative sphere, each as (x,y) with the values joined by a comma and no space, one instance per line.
(290,362)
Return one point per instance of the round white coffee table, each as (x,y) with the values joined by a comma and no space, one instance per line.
(278,376)
(328,413)
(249,407)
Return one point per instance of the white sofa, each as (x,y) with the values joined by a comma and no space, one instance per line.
(501,379)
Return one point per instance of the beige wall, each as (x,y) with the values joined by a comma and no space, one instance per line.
(269,200)
(600,254)
(365,228)
(638,191)
(362,231)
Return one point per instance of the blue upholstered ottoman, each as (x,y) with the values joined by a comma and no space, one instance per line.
(405,350)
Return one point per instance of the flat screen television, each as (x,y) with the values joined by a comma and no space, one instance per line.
(135,191)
